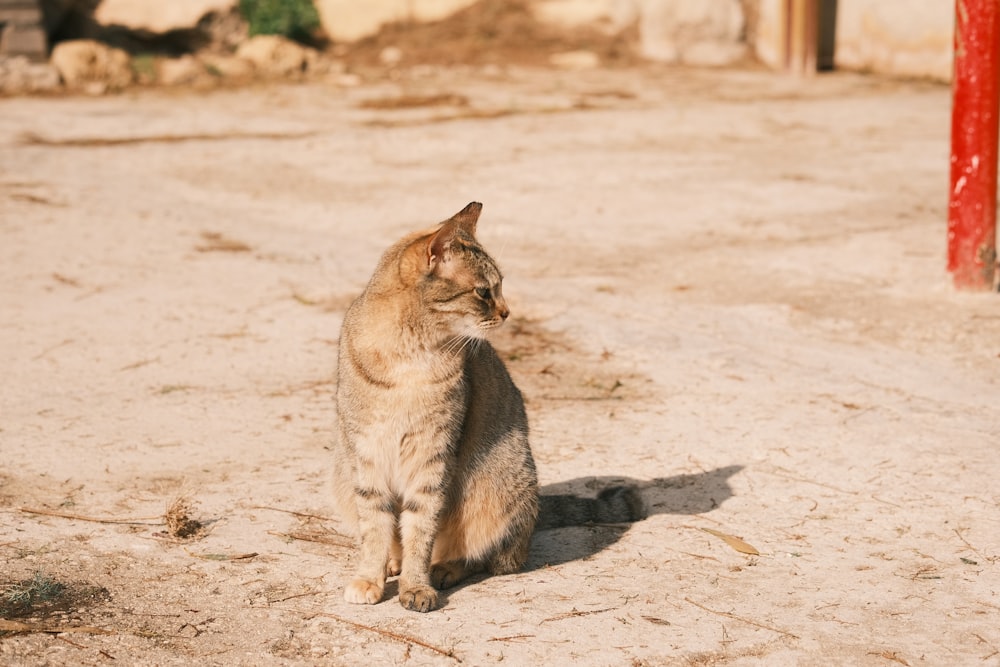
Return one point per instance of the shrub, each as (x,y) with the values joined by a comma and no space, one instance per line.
(296,19)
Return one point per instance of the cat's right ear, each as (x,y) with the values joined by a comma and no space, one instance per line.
(468,217)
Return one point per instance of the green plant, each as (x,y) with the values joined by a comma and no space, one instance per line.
(144,66)
(296,19)
(39,589)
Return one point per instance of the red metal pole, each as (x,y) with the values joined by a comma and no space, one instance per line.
(972,205)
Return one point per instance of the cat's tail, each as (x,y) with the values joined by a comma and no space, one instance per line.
(615,504)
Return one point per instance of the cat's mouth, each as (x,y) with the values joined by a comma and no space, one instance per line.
(487,325)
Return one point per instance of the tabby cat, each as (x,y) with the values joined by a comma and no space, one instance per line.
(432,466)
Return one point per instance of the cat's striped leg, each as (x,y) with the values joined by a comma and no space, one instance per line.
(377,525)
(418,525)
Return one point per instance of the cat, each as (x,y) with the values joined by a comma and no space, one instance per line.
(432,466)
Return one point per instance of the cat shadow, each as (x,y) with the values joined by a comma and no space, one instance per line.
(679,494)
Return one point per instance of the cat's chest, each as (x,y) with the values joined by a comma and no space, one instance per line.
(423,374)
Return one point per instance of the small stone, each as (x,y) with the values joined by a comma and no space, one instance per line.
(180,71)
(390,56)
(575,60)
(18,75)
(276,56)
(231,68)
(349,80)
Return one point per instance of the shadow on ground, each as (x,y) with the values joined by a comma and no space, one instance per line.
(680,494)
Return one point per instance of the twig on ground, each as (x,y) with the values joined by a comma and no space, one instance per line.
(574,613)
(306,537)
(688,553)
(408,639)
(966,542)
(510,638)
(292,597)
(796,478)
(138,521)
(292,512)
(657,621)
(246,556)
(33,139)
(72,643)
(890,655)
(742,620)
(18,626)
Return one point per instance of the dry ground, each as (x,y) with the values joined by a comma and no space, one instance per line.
(727,285)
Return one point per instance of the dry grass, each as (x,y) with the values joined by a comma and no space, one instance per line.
(180,524)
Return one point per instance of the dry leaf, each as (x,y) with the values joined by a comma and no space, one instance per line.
(734,542)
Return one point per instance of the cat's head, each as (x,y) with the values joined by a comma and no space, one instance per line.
(461,287)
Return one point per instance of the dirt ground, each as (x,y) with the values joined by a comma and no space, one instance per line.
(727,286)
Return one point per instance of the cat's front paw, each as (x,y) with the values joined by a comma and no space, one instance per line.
(419,598)
(363,591)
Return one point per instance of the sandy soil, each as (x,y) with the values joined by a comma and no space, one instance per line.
(728,286)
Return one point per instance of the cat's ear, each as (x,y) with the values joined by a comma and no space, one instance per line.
(440,244)
(468,217)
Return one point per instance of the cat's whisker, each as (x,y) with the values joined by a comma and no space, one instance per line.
(503,248)
(454,344)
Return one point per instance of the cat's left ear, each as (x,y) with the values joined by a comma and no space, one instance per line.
(440,244)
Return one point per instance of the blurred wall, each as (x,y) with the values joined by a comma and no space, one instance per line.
(897,37)
(902,37)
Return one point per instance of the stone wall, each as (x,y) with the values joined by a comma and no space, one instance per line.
(895,37)
(22,30)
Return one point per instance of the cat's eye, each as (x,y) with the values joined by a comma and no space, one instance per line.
(484,293)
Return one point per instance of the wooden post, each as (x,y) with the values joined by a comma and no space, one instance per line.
(972,205)
(801,26)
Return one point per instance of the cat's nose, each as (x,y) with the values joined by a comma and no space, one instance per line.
(503,311)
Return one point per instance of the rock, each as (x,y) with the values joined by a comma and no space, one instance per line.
(276,56)
(180,71)
(390,56)
(22,32)
(158,16)
(231,68)
(18,75)
(348,80)
(575,60)
(694,32)
(87,64)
